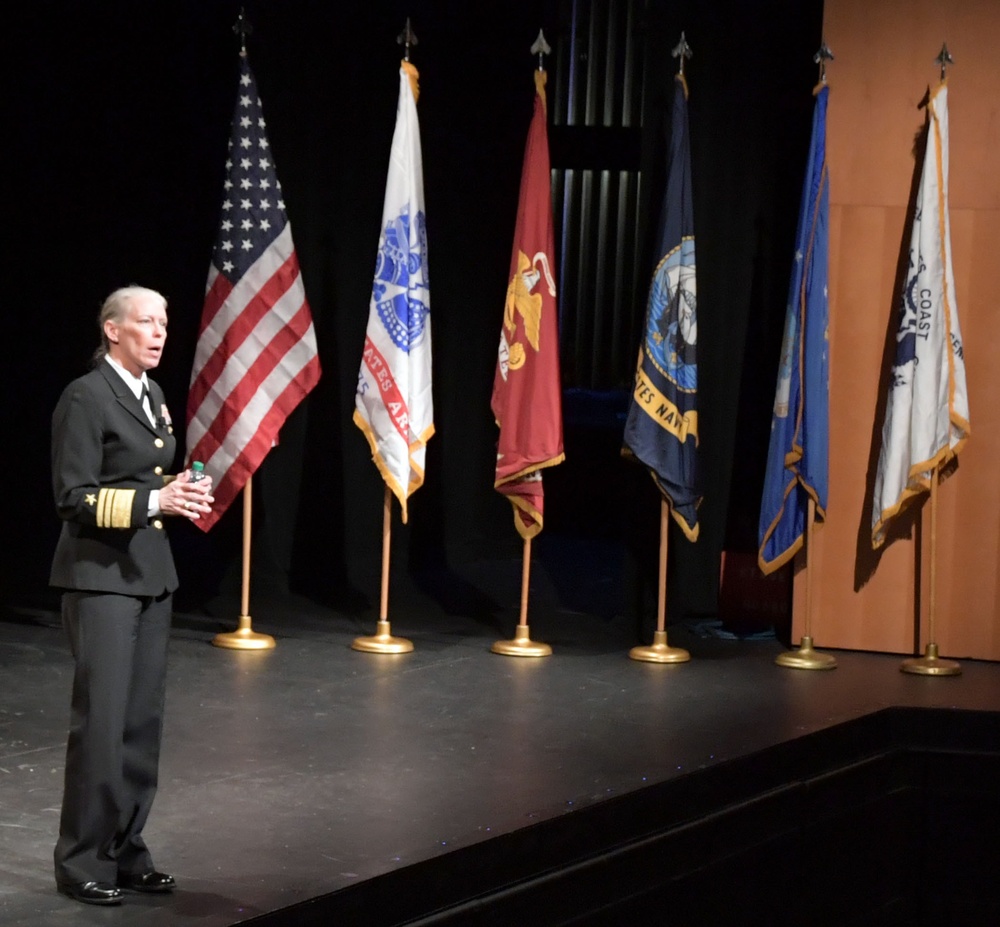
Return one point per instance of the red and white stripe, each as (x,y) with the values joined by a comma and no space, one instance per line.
(255,361)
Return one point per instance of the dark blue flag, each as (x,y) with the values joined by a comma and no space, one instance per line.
(662,426)
(797,457)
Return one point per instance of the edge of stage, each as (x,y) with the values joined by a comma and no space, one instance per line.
(451,785)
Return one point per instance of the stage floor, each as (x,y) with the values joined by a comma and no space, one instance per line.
(292,773)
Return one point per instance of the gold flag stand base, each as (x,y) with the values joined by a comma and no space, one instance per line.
(930,664)
(382,642)
(660,651)
(522,645)
(244,638)
(805,657)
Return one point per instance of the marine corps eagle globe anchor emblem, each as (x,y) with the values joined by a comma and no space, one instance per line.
(524,301)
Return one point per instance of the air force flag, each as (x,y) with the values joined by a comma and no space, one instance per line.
(798,453)
(394,406)
(927,409)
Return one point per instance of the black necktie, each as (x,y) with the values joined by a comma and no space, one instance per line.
(146,402)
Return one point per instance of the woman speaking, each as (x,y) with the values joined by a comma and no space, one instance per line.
(112,444)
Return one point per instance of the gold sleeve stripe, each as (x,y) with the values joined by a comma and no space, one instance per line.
(114,508)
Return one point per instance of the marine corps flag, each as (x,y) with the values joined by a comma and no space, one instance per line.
(798,453)
(661,430)
(527,402)
(394,405)
(927,409)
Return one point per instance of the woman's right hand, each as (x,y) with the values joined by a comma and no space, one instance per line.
(190,500)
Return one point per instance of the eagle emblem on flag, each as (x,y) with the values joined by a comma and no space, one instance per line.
(523,301)
(399,274)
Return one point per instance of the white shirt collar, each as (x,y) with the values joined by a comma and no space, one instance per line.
(132,382)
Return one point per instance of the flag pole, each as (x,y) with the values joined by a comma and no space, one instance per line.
(805,657)
(522,645)
(660,651)
(671,304)
(393,409)
(245,638)
(383,641)
(930,664)
(223,363)
(530,508)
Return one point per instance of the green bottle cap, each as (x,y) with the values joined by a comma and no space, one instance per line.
(197,466)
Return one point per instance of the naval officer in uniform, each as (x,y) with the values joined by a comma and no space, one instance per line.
(112,446)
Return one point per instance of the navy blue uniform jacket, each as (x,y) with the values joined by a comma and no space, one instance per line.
(106,457)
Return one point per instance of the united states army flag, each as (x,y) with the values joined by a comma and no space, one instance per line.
(394,406)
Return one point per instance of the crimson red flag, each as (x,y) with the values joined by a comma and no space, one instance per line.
(527,402)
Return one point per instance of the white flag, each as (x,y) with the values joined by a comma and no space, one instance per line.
(927,410)
(395,408)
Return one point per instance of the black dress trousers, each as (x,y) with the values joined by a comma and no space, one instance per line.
(119,643)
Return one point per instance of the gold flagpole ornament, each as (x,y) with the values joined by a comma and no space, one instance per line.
(242,28)
(944,59)
(406,38)
(681,51)
(541,48)
(821,58)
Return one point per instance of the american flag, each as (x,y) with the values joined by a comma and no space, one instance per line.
(256,357)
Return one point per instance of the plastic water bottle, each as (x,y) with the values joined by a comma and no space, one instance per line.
(197,471)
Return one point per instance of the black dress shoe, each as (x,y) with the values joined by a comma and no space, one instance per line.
(92,892)
(151,881)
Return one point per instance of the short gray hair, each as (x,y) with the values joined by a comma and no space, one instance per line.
(114,309)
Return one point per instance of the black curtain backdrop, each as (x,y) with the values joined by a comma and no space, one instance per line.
(117,119)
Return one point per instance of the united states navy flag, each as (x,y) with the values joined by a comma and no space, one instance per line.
(798,454)
(661,430)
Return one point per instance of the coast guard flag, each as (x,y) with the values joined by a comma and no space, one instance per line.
(798,453)
(927,409)
(661,430)
(527,399)
(256,356)
(394,407)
